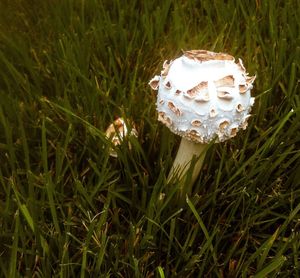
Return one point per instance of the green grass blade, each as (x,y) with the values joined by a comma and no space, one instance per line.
(275,265)
(14,248)
(160,272)
(202,226)
(48,179)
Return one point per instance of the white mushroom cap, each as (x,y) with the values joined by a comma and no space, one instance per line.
(116,132)
(204,95)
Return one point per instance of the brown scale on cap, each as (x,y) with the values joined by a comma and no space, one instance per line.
(161,101)
(241,65)
(240,108)
(174,109)
(178,92)
(224,95)
(243,88)
(224,124)
(166,67)
(204,55)
(168,85)
(227,81)
(244,125)
(164,119)
(250,79)
(195,90)
(189,95)
(154,83)
(213,113)
(245,122)
(233,132)
(193,135)
(196,123)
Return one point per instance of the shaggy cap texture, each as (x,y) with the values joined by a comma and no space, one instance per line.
(204,95)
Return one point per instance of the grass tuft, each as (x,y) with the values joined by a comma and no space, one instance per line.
(68,209)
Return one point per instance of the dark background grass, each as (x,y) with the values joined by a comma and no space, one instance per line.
(68,68)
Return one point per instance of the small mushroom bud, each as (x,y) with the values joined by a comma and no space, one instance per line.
(206,96)
(116,132)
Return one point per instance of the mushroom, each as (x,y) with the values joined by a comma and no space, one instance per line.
(116,132)
(213,104)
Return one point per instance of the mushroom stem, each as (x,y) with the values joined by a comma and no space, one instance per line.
(187,152)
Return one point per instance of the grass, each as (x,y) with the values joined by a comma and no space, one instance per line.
(67,209)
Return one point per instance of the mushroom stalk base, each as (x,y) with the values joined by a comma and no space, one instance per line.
(188,151)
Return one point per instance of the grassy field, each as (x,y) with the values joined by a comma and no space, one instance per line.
(67,209)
